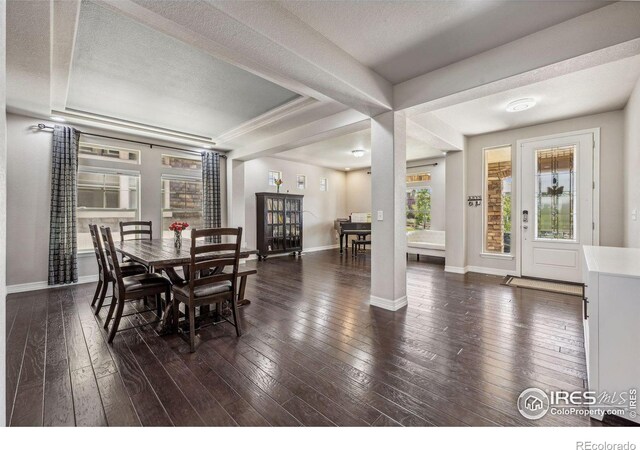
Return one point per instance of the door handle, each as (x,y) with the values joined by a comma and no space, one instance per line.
(525,227)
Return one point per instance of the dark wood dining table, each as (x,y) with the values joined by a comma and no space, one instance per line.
(161,255)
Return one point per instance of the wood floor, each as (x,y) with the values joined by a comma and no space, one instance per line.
(314,353)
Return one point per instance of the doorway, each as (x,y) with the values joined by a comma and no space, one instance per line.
(558,204)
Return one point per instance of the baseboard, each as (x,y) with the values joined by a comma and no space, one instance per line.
(479,269)
(454,269)
(319,249)
(490,271)
(391,305)
(38,285)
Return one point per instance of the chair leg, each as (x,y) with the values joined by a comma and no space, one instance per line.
(97,293)
(192,328)
(158,305)
(176,310)
(116,321)
(236,322)
(112,308)
(103,294)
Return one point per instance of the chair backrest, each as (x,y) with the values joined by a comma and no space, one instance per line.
(111,256)
(141,229)
(98,248)
(217,256)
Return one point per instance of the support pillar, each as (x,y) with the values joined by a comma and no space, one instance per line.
(388,214)
(236,196)
(456,209)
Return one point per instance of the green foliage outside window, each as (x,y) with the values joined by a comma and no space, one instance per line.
(418,209)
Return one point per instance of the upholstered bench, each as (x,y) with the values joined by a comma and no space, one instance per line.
(426,242)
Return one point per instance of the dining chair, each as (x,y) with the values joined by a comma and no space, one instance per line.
(104,274)
(133,287)
(213,285)
(139,228)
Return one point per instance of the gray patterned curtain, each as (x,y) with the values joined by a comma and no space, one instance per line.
(211,190)
(63,248)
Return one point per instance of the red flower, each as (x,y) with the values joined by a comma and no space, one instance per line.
(178,226)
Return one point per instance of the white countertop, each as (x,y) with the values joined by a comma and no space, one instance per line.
(613,260)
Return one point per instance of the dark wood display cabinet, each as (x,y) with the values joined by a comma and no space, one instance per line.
(279,226)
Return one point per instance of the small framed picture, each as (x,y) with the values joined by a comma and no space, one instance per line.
(301,181)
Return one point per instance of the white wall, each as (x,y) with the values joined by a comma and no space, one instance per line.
(320,208)
(632,167)
(28,196)
(3,213)
(611,180)
(359,189)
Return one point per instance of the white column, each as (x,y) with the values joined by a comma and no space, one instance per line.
(456,209)
(388,215)
(3,213)
(235,195)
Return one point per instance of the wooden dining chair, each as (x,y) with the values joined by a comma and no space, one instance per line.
(213,285)
(130,288)
(140,229)
(104,274)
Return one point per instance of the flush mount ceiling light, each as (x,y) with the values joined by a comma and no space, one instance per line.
(347,168)
(521,105)
(58,118)
(357,153)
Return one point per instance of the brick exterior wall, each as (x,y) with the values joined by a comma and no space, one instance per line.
(496,172)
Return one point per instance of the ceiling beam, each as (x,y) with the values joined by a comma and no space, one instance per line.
(437,134)
(270,42)
(64,28)
(339,124)
(603,35)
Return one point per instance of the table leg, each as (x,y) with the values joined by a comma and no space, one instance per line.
(341,236)
(241,300)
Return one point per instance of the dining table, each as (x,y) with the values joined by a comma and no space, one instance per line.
(162,255)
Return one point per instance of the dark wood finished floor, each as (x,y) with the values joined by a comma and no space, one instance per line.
(314,353)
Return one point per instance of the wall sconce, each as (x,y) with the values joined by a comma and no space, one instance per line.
(474,200)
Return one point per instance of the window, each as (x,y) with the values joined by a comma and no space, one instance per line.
(182,162)
(105,197)
(105,153)
(497,204)
(181,202)
(556,193)
(420,177)
(301,181)
(418,209)
(324,184)
(273,176)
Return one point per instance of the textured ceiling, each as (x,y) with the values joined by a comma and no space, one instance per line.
(335,153)
(599,89)
(403,39)
(123,69)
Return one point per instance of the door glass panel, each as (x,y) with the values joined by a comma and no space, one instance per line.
(556,193)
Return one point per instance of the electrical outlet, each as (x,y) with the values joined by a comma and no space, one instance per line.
(380,215)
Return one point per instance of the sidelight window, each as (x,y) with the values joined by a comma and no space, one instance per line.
(497,204)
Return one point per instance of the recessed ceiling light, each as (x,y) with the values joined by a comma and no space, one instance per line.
(357,153)
(58,118)
(207,146)
(521,105)
(347,168)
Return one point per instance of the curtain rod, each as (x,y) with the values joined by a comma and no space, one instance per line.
(42,126)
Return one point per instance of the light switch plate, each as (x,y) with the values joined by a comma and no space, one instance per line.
(380,215)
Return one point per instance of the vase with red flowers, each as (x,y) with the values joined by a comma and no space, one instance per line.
(178,228)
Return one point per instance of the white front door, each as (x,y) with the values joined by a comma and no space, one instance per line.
(556,205)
